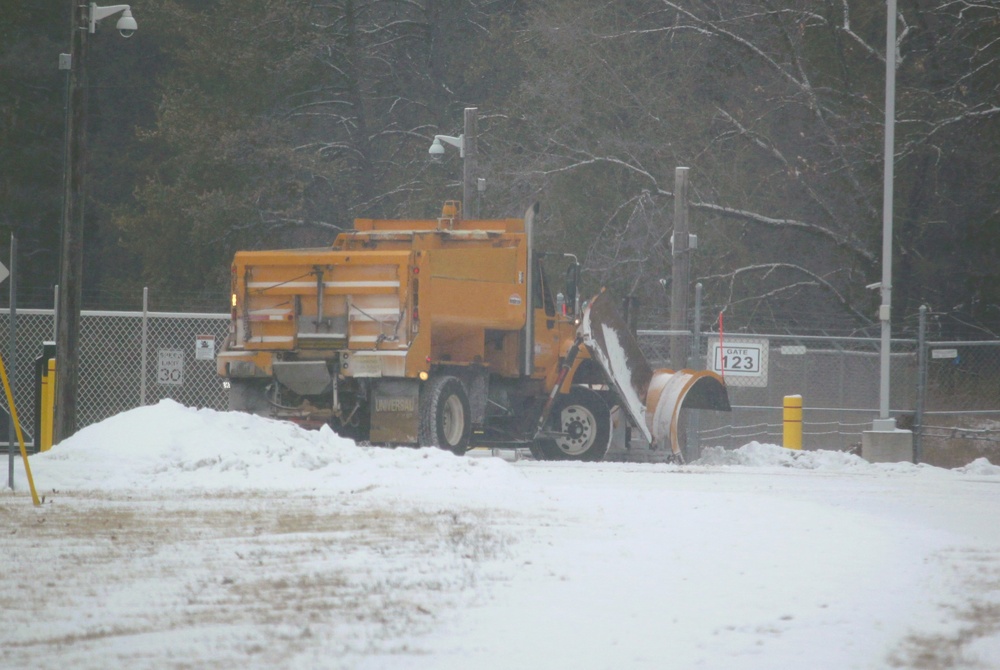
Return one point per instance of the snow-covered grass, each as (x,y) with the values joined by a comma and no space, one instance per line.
(171,537)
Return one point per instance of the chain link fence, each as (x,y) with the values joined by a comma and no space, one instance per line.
(948,393)
(959,419)
(127,359)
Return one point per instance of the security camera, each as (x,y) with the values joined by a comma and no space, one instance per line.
(127,25)
(437,150)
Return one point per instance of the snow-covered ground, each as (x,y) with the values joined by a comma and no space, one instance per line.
(178,538)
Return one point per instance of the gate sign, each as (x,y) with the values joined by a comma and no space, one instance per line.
(742,362)
(170,367)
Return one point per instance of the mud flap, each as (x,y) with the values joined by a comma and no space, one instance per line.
(652,400)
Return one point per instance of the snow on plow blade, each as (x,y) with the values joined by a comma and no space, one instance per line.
(652,399)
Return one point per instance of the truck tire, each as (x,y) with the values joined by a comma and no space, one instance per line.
(445,416)
(585,419)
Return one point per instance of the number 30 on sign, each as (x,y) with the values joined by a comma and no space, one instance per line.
(170,367)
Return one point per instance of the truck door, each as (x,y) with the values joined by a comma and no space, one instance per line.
(554,322)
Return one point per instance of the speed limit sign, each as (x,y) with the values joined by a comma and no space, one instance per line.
(170,368)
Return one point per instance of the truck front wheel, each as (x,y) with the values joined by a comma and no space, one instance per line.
(584,421)
(445,416)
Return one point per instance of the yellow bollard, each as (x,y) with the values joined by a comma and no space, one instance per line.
(793,422)
(48,406)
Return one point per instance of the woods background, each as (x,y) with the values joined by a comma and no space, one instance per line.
(225,125)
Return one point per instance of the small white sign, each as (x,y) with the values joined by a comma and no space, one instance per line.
(4,272)
(170,367)
(741,362)
(204,347)
(944,353)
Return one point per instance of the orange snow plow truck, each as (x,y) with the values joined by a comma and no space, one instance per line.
(445,332)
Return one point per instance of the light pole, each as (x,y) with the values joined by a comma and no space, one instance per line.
(466,144)
(884,422)
(83,23)
(884,443)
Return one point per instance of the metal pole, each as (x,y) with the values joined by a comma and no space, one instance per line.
(469,166)
(71,262)
(692,446)
(695,361)
(918,419)
(884,422)
(681,269)
(12,358)
(142,357)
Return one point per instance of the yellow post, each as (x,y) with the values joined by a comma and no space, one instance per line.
(793,422)
(17,429)
(48,406)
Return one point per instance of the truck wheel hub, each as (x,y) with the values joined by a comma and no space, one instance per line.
(575,429)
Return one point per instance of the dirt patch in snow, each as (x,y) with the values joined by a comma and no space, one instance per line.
(260,574)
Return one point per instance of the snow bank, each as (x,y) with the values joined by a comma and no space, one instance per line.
(980,466)
(756,454)
(169,446)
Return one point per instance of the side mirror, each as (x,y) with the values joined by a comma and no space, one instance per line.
(573,288)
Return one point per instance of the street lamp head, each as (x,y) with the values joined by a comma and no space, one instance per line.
(437,150)
(127,25)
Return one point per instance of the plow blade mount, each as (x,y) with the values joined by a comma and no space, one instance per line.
(652,400)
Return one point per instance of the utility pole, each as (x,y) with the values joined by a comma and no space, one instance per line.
(469,166)
(681,270)
(83,23)
(71,260)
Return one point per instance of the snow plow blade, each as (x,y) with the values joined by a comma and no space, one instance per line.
(670,391)
(652,400)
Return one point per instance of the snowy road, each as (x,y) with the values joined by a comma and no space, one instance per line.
(173,538)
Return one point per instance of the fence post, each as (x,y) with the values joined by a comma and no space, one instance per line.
(12,356)
(142,357)
(680,269)
(918,418)
(695,362)
(55,312)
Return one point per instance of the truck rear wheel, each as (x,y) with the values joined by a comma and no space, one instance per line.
(445,416)
(584,420)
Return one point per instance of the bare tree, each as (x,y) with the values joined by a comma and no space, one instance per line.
(777,108)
